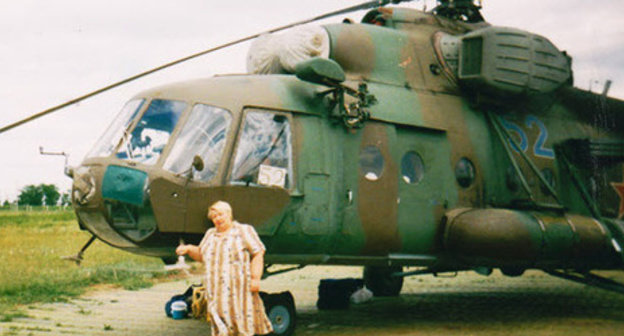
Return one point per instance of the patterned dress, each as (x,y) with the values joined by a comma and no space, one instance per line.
(232,308)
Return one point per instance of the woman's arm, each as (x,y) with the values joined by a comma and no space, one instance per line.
(193,251)
(257,267)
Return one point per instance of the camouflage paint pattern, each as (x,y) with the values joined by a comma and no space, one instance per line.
(335,214)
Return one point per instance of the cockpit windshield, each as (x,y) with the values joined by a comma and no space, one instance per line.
(204,134)
(107,143)
(149,137)
(140,141)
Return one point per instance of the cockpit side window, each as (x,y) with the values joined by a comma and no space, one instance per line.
(107,143)
(149,137)
(264,151)
(204,134)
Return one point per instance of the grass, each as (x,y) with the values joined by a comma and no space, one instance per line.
(35,219)
(31,270)
(8,317)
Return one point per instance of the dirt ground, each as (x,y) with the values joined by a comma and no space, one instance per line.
(468,304)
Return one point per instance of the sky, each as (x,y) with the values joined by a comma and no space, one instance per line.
(54,51)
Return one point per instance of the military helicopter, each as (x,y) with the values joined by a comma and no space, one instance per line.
(429,139)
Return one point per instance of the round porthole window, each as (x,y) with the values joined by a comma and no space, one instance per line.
(412,168)
(464,172)
(371,163)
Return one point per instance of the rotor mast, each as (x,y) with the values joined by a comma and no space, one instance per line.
(461,10)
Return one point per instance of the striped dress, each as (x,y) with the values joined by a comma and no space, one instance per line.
(232,308)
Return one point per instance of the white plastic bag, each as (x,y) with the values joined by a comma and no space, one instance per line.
(361,295)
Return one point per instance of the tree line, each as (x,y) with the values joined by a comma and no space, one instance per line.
(42,194)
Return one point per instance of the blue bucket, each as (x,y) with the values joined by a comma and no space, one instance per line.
(178,310)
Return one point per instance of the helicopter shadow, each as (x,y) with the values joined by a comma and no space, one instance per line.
(444,309)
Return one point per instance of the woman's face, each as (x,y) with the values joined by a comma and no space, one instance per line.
(221,219)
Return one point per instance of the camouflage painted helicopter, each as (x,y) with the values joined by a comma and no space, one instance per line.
(429,139)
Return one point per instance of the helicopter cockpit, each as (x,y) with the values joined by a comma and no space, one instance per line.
(263,155)
(140,173)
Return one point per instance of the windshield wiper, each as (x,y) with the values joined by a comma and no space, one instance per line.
(273,145)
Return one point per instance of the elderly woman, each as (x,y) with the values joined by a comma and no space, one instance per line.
(234,259)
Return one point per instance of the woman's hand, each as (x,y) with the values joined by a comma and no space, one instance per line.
(182,250)
(254,286)
(193,251)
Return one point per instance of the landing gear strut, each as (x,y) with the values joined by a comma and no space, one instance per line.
(589,279)
(77,258)
(381,282)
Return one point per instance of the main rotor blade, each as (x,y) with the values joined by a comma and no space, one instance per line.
(366,5)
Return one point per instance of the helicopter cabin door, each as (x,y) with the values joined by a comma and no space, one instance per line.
(425,186)
(372,192)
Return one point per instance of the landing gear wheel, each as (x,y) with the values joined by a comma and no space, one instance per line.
(280,308)
(379,281)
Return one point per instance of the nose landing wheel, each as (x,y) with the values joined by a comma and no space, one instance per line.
(280,308)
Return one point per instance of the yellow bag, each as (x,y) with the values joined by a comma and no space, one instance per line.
(200,304)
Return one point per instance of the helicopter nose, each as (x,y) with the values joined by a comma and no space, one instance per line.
(125,185)
(127,203)
(112,201)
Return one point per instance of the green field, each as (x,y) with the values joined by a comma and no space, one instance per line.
(31,268)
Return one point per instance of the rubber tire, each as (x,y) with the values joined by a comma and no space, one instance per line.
(379,281)
(280,308)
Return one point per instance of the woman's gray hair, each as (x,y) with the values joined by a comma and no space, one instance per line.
(220,205)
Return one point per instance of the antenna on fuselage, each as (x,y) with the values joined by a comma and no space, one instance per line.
(66,169)
(606,88)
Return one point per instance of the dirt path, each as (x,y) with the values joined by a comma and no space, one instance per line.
(534,304)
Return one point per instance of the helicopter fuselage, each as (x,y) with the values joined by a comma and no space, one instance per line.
(432,177)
